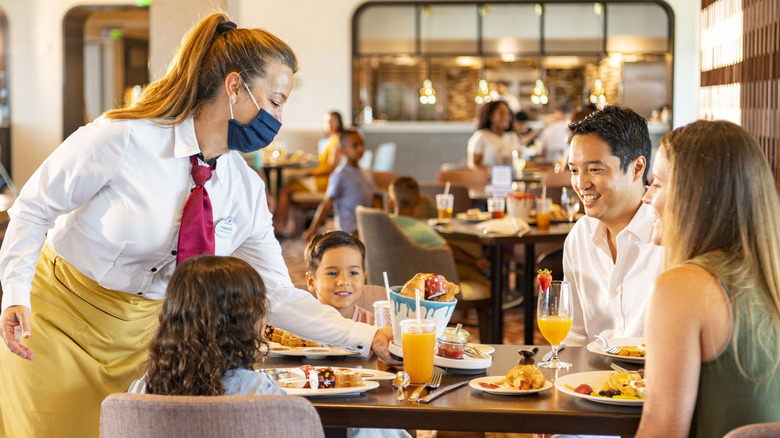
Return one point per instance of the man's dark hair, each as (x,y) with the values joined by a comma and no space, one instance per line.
(328,240)
(622,129)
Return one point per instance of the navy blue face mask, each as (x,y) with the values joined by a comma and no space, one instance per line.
(256,135)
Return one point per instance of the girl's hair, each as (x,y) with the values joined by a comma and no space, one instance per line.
(722,198)
(210,323)
(487,113)
(211,50)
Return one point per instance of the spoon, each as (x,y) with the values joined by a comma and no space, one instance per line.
(401,381)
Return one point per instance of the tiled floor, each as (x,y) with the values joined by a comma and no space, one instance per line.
(292,250)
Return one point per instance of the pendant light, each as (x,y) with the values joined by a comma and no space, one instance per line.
(539,95)
(427,93)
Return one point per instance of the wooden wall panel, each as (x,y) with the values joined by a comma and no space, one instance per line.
(756,68)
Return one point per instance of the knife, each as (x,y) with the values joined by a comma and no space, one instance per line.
(430,397)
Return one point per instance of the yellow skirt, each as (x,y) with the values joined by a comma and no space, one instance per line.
(88,342)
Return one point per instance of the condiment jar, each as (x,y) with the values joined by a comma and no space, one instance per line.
(450,347)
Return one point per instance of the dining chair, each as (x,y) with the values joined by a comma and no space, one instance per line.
(366,160)
(265,416)
(383,179)
(759,430)
(384,157)
(460,193)
(472,179)
(389,250)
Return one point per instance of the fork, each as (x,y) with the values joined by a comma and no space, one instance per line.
(605,346)
(433,384)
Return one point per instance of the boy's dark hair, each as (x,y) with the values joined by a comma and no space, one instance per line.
(624,131)
(347,133)
(522,116)
(328,240)
(405,192)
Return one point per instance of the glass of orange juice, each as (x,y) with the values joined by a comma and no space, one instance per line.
(554,316)
(543,213)
(418,340)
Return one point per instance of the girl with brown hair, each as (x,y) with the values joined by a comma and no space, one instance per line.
(209,333)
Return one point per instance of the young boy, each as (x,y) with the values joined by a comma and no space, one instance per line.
(348,187)
(335,263)
(404,196)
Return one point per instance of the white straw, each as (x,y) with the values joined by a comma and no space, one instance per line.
(447,188)
(387,286)
(544,190)
(417,303)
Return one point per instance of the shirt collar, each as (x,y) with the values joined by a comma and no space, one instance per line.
(641,226)
(185,144)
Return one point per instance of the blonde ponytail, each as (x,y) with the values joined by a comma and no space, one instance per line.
(211,50)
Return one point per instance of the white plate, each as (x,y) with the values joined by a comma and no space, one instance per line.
(596,380)
(366,373)
(309,352)
(594,347)
(467,363)
(505,389)
(482,216)
(353,390)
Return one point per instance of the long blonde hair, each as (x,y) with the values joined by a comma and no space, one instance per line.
(722,197)
(211,50)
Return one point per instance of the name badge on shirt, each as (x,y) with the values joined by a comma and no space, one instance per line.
(225,228)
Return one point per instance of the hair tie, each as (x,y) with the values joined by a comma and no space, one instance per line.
(225,26)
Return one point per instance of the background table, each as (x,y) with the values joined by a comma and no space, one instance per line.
(467,409)
(463,230)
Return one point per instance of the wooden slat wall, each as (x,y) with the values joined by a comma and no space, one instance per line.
(754,68)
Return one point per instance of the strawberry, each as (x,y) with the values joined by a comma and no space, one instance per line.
(545,278)
(434,287)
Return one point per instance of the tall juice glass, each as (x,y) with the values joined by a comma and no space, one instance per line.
(554,316)
(419,341)
(444,205)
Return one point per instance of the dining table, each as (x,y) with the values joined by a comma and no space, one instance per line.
(277,166)
(469,409)
(495,243)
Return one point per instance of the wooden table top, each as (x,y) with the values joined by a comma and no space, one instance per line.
(468,409)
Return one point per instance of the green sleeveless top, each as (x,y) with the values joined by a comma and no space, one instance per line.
(726,399)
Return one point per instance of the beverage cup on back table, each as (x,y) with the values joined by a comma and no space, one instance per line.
(496,207)
(382,316)
(419,341)
(444,204)
(543,213)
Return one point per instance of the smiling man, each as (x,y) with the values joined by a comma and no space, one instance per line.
(609,257)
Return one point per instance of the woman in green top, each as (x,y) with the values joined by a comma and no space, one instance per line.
(713,321)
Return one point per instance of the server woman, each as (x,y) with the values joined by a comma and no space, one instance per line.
(95,234)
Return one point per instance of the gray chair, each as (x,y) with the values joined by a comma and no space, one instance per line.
(389,250)
(152,416)
(759,430)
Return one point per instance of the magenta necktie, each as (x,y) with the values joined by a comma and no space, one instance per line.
(196,234)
